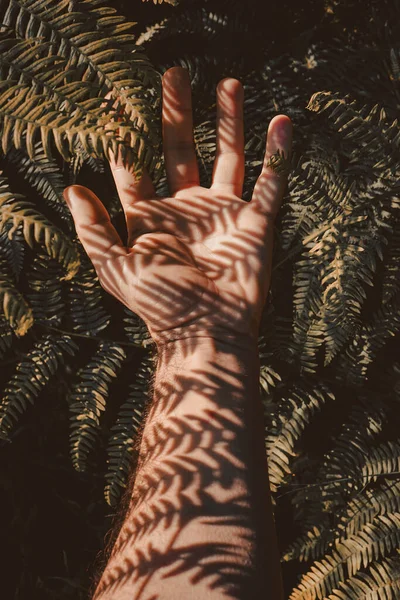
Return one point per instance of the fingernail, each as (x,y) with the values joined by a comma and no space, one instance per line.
(73,192)
(67,193)
(178,74)
(284,133)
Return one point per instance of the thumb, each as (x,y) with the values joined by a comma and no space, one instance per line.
(93,226)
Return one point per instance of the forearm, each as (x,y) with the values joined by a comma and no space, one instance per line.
(200,521)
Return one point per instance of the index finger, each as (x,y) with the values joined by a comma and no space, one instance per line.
(130,190)
(177,124)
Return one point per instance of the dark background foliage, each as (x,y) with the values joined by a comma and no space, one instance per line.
(54,520)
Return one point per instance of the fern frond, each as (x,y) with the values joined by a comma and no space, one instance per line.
(366,505)
(269,378)
(6,337)
(12,249)
(136,329)
(361,510)
(79,159)
(373,541)
(364,128)
(45,177)
(123,433)
(352,449)
(368,340)
(293,414)
(14,307)
(391,267)
(380,582)
(97,56)
(344,471)
(85,301)
(30,378)
(88,400)
(45,297)
(36,228)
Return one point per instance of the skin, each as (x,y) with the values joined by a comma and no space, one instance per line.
(197,270)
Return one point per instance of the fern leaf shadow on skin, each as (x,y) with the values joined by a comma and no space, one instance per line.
(184,460)
(316,194)
(196,269)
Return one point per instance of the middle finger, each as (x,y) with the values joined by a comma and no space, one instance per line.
(177,119)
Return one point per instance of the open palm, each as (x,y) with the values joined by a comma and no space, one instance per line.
(197,263)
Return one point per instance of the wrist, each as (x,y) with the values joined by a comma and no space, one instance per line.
(189,343)
(210,364)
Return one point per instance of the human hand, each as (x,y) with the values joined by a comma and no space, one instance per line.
(197,263)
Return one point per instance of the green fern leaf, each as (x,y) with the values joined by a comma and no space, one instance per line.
(88,400)
(14,307)
(380,582)
(45,177)
(6,337)
(36,228)
(30,378)
(94,55)
(85,303)
(294,413)
(45,297)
